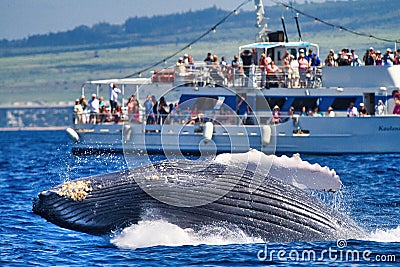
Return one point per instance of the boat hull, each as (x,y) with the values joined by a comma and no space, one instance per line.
(315,135)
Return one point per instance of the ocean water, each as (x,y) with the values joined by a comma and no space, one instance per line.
(33,161)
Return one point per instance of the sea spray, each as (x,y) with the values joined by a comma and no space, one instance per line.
(162,233)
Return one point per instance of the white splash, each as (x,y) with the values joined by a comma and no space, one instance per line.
(291,170)
(380,235)
(161,233)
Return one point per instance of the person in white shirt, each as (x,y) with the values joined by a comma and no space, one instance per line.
(114,91)
(380,109)
(352,111)
(94,108)
(331,113)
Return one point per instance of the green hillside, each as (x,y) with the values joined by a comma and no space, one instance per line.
(51,68)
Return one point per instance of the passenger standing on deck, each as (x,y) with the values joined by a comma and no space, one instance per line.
(369,57)
(243,109)
(310,56)
(131,107)
(262,64)
(114,91)
(78,111)
(380,109)
(236,64)
(352,110)
(254,57)
(162,110)
(331,113)
(101,102)
(363,111)
(303,112)
(246,57)
(303,68)
(276,115)
(209,59)
(379,59)
(94,108)
(148,106)
(330,59)
(356,62)
(85,107)
(388,59)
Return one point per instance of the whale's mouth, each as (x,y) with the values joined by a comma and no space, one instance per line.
(54,208)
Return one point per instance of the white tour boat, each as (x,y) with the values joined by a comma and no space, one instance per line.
(219,125)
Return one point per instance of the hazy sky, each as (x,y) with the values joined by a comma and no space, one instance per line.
(22,18)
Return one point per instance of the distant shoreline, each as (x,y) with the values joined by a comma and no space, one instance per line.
(16,129)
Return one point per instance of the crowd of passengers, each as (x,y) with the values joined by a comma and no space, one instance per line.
(293,72)
(392,106)
(159,112)
(96,110)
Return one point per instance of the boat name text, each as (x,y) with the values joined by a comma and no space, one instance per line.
(388,129)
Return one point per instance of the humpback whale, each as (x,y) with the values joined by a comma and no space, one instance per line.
(192,194)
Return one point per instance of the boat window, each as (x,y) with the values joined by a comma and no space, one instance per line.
(308,102)
(205,102)
(342,103)
(272,101)
(272,53)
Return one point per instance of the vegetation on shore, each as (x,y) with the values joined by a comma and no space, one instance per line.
(51,68)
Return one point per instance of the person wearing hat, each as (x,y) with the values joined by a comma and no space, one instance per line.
(380,108)
(330,60)
(331,113)
(363,111)
(78,111)
(85,106)
(303,68)
(356,61)
(352,110)
(388,59)
(369,57)
(180,68)
(186,59)
(276,115)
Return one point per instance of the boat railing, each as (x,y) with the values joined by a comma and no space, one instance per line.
(202,74)
(87,118)
(180,118)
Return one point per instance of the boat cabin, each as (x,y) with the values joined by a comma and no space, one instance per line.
(277,50)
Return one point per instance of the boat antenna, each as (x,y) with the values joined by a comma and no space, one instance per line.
(284,29)
(298,26)
(261,22)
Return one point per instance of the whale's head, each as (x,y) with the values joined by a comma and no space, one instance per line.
(85,205)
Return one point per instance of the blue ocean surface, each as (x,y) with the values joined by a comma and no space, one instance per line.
(31,162)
